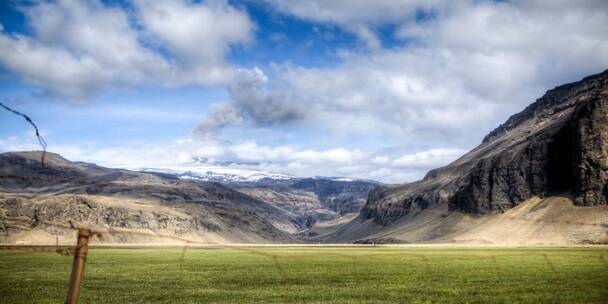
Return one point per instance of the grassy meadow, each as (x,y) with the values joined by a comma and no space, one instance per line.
(313,275)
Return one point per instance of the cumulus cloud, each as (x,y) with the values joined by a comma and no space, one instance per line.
(357,16)
(78,48)
(429,158)
(287,159)
(464,71)
(81,47)
(198,36)
(251,101)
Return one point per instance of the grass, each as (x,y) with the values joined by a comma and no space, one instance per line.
(314,275)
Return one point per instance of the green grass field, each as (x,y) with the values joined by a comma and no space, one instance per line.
(314,275)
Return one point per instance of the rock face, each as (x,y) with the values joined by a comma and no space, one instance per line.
(311,200)
(591,151)
(341,197)
(557,145)
(63,191)
(265,211)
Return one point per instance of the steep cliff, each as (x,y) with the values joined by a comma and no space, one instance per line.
(558,145)
(563,149)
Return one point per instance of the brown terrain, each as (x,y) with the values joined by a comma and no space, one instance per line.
(34,197)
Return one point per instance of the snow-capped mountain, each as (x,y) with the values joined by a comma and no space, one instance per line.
(227,172)
(213,173)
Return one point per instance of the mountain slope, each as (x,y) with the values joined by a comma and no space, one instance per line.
(309,202)
(62,191)
(557,145)
(312,201)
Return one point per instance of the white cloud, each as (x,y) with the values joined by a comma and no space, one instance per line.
(251,151)
(20,143)
(357,16)
(198,36)
(380,160)
(465,71)
(335,155)
(429,159)
(289,159)
(81,47)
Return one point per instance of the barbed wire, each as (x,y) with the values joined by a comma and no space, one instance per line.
(29,120)
(63,250)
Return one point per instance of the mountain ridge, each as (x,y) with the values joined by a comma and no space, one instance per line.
(266,211)
(63,191)
(557,145)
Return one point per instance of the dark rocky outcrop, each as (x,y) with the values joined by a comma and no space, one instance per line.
(591,151)
(557,145)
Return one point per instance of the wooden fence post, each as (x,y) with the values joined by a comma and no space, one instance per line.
(80,259)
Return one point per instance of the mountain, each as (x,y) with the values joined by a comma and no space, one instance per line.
(32,195)
(310,202)
(540,177)
(270,209)
(317,203)
(229,173)
(215,173)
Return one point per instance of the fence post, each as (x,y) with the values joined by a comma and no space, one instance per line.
(80,259)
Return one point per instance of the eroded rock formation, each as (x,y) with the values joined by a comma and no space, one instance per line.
(557,145)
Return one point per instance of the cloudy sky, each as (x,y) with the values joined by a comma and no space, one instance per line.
(383,89)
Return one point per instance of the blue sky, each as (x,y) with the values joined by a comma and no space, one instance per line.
(370,89)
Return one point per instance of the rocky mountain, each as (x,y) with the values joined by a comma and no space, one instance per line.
(62,191)
(243,210)
(230,173)
(215,173)
(310,202)
(314,202)
(556,147)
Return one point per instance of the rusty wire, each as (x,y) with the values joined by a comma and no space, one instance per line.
(29,120)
